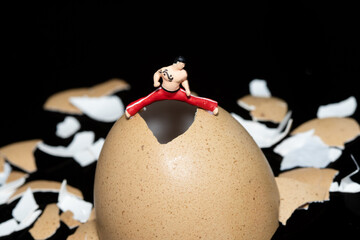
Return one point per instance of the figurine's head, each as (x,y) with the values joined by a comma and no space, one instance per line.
(179,62)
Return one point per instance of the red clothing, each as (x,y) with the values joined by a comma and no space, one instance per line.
(162,94)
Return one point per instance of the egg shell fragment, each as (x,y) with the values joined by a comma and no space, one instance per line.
(321,178)
(47,224)
(60,101)
(265,108)
(211,182)
(333,131)
(43,186)
(85,231)
(2,164)
(21,154)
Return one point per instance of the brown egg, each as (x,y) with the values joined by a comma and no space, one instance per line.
(205,180)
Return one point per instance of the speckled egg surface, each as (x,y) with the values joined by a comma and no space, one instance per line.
(210,182)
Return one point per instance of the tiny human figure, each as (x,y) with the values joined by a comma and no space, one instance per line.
(172,77)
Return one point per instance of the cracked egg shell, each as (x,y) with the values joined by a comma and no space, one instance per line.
(210,182)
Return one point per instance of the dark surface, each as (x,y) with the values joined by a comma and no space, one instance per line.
(308,52)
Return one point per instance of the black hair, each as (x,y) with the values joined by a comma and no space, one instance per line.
(180,59)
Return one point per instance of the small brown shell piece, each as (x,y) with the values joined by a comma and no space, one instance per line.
(332,131)
(21,154)
(293,194)
(60,101)
(321,178)
(47,224)
(265,108)
(15,175)
(2,163)
(44,186)
(68,218)
(85,231)
(107,88)
(302,186)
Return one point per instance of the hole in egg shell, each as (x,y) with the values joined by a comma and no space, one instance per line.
(168,119)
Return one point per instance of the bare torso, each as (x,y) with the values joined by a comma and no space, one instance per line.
(172,77)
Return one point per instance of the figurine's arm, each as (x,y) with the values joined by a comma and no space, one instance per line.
(156,78)
(185,84)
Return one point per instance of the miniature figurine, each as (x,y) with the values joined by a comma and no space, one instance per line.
(172,77)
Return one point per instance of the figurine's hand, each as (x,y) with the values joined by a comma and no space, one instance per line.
(156,84)
(188,93)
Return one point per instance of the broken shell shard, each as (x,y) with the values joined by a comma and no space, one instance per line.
(85,231)
(319,178)
(4,174)
(333,131)
(21,154)
(43,186)
(344,108)
(2,164)
(302,186)
(68,127)
(264,108)
(47,224)
(67,217)
(261,104)
(346,184)
(25,207)
(258,88)
(104,109)
(60,101)
(212,181)
(264,136)
(14,180)
(306,150)
(67,201)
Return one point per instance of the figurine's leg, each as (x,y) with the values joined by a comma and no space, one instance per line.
(134,107)
(204,103)
(137,105)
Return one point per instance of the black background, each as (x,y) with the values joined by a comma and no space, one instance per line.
(308,51)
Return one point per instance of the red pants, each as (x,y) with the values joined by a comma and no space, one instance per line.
(161,94)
